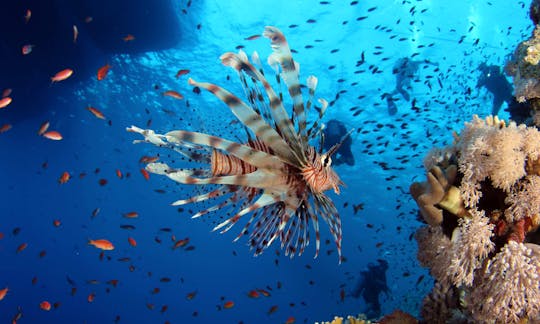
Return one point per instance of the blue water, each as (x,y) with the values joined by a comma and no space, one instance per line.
(216,269)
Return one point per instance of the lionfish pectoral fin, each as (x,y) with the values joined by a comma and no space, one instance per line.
(149,136)
(198,198)
(258,159)
(264,200)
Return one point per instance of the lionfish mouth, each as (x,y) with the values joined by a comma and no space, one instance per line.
(276,176)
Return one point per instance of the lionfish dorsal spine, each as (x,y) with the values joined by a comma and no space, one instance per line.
(279,114)
(282,54)
(251,119)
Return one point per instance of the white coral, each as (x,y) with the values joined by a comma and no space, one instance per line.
(471,244)
(490,149)
(524,199)
(508,289)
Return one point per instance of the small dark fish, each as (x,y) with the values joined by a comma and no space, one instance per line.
(127,227)
(361,18)
(371,9)
(253,37)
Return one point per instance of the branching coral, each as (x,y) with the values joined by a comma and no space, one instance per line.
(484,253)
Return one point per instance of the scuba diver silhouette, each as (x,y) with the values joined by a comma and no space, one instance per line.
(404,69)
(370,284)
(333,134)
(495,82)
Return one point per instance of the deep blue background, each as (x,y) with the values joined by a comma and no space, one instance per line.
(328,40)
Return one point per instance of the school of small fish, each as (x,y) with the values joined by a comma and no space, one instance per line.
(391,147)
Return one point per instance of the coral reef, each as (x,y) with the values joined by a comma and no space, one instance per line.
(481,243)
(349,320)
(524,69)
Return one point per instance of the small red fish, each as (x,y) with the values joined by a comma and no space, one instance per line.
(57,223)
(102,244)
(128,38)
(253,294)
(145,174)
(290,320)
(88,19)
(191,295)
(27,16)
(43,128)
(45,305)
(4,102)
(6,92)
(131,214)
(64,177)
(119,174)
(75,33)
(173,94)
(181,72)
(22,247)
(53,135)
(148,159)
(253,37)
(4,128)
(181,243)
(103,71)
(273,309)
(3,293)
(132,241)
(96,112)
(27,49)
(91,297)
(228,304)
(62,75)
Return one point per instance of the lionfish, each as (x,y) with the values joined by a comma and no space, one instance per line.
(276,175)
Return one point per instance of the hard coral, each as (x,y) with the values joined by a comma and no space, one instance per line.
(484,254)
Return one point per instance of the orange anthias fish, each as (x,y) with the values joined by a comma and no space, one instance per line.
(3,293)
(27,49)
(228,304)
(253,37)
(45,305)
(62,75)
(181,72)
(132,241)
(145,174)
(75,33)
(128,38)
(4,102)
(96,112)
(102,244)
(103,71)
(4,128)
(131,214)
(173,94)
(64,177)
(53,135)
(27,16)
(43,128)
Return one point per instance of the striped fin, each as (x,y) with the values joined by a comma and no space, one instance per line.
(251,119)
(279,114)
(257,158)
(326,208)
(282,54)
(264,200)
(199,198)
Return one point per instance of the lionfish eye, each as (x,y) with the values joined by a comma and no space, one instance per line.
(326,160)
